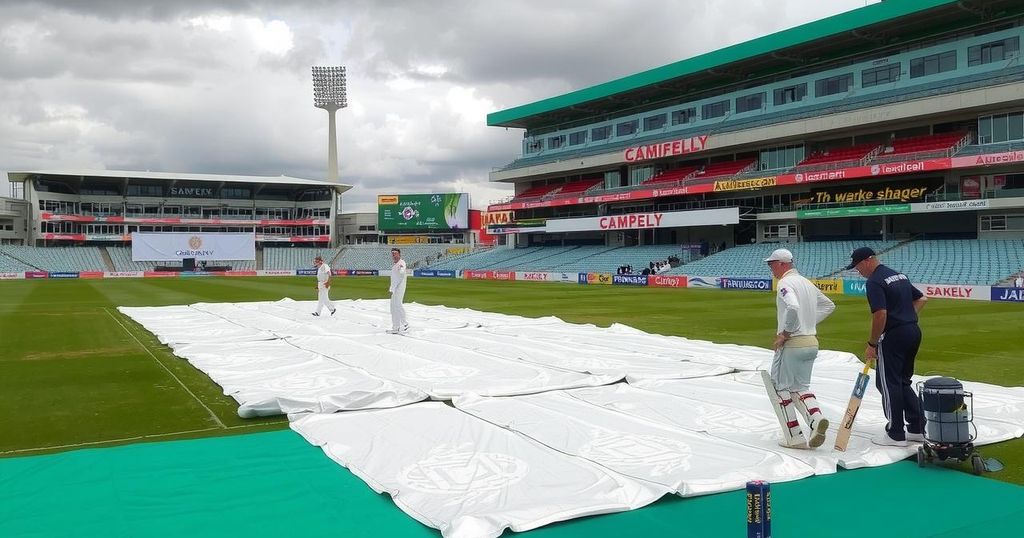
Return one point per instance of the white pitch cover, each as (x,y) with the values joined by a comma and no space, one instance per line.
(464,476)
(274,378)
(578,357)
(688,463)
(186,325)
(445,371)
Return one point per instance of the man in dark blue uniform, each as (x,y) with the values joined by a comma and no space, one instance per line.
(894,341)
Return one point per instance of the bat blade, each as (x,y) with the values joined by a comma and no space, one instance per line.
(846,425)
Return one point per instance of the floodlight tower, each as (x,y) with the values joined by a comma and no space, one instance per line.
(329,94)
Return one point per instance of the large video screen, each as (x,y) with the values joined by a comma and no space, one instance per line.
(407,212)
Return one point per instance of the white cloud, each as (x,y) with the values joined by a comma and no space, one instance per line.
(191,86)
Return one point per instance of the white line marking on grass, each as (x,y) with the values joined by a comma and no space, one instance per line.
(168,370)
(136,438)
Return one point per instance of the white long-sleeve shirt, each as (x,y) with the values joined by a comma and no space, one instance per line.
(801,305)
(323,274)
(397,275)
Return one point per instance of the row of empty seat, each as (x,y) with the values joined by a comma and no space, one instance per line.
(812,259)
(55,258)
(967,261)
(289,258)
(840,155)
(564,189)
(970,262)
(379,256)
(696,174)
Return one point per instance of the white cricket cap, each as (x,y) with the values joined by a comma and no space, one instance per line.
(780,255)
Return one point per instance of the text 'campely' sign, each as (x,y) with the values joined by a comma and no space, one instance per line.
(665,149)
(636,221)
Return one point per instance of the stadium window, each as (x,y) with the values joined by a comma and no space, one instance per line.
(833,85)
(601,133)
(790,94)
(715,110)
(612,179)
(639,174)
(652,123)
(993,223)
(577,138)
(750,102)
(627,128)
(933,64)
(996,51)
(999,128)
(533,146)
(879,75)
(556,142)
(683,116)
(1015,126)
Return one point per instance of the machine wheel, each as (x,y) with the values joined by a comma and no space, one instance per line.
(920,456)
(977,463)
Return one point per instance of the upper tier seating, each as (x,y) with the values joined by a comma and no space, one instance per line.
(839,155)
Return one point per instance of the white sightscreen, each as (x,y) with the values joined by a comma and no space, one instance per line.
(172,247)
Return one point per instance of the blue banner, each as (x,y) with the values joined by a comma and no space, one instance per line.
(629,280)
(305,272)
(581,278)
(855,287)
(64,274)
(434,273)
(756,284)
(1010,295)
(363,272)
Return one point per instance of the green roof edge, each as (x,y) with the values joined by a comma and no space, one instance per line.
(836,24)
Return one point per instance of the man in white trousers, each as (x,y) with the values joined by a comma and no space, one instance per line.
(323,286)
(398,322)
(801,307)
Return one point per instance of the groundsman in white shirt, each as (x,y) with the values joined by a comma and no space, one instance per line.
(323,286)
(800,307)
(399,324)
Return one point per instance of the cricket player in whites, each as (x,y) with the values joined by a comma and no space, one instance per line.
(801,306)
(323,286)
(398,273)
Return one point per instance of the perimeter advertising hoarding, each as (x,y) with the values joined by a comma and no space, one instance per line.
(407,212)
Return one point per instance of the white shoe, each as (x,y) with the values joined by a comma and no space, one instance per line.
(333,311)
(392,331)
(818,434)
(317,314)
(405,327)
(915,437)
(883,439)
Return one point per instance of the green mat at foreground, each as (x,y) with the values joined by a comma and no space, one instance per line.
(276,484)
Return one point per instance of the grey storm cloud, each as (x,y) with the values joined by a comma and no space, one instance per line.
(224,87)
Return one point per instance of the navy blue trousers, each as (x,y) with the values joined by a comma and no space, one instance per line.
(897,349)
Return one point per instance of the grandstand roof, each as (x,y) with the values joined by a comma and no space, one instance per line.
(878,25)
(18,177)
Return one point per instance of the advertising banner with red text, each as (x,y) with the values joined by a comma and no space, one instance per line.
(956,291)
(667,281)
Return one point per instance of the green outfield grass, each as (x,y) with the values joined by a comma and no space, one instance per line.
(74,372)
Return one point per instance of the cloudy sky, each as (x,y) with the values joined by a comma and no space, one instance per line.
(224,86)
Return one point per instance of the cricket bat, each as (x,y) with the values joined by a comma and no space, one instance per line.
(846,425)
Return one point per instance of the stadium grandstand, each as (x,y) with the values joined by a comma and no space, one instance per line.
(83,220)
(899,125)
